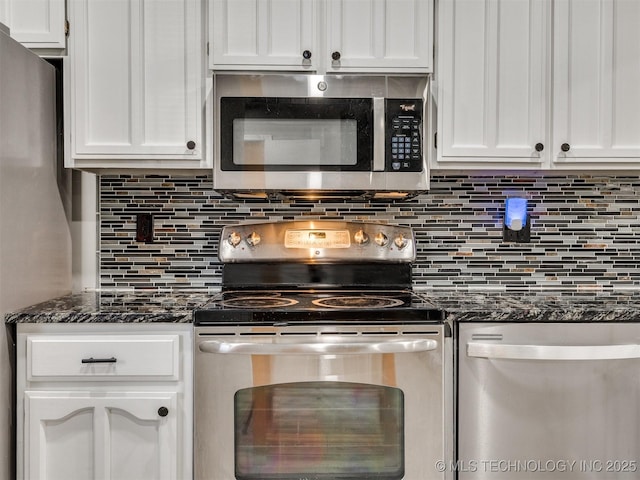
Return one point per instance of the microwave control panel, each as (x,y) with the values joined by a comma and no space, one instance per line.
(403,144)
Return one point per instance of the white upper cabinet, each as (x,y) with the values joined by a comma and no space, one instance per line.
(37,24)
(391,36)
(492,83)
(509,98)
(596,113)
(135,84)
(263,34)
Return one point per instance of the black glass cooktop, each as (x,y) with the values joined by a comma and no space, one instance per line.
(316,306)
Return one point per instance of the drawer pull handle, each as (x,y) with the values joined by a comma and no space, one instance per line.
(163,411)
(99,360)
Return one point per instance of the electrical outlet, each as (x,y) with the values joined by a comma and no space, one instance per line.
(517,236)
(144,227)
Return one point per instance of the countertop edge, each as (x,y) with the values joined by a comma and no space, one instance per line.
(459,305)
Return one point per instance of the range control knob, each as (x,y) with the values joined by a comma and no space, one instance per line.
(234,239)
(361,238)
(253,239)
(381,239)
(400,241)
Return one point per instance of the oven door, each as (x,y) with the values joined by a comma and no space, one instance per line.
(290,403)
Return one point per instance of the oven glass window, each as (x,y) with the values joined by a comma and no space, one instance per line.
(319,142)
(321,430)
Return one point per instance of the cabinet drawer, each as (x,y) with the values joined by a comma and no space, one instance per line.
(118,357)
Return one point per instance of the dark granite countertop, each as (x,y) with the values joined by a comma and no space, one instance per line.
(587,305)
(114,307)
(591,305)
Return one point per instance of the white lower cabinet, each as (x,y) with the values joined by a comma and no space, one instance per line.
(100,420)
(115,436)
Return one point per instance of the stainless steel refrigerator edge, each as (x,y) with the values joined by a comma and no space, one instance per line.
(35,241)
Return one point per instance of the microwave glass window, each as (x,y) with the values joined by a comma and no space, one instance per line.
(296,134)
(322,142)
(335,430)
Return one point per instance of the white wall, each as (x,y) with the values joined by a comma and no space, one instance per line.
(84,231)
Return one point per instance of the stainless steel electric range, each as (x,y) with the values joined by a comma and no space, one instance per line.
(317,360)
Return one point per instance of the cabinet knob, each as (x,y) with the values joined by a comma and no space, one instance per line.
(191,144)
(306,54)
(163,411)
(539,147)
(565,147)
(336,56)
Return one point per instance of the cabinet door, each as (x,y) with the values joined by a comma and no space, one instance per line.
(136,83)
(263,34)
(35,23)
(113,436)
(596,83)
(393,36)
(492,83)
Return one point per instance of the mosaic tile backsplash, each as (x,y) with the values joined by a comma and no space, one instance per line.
(585,230)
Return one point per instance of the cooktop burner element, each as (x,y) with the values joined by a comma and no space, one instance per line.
(361,301)
(306,307)
(254,301)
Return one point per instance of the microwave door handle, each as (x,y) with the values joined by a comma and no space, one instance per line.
(379,134)
(552,352)
(353,348)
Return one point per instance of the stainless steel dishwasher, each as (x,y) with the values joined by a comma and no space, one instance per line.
(548,401)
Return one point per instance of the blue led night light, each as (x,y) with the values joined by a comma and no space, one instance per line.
(515,213)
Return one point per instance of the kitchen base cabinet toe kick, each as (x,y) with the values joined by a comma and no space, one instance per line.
(104,402)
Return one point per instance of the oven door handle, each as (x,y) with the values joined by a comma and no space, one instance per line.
(340,348)
(553,352)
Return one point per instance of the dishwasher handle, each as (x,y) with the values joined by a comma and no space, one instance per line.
(553,352)
(319,348)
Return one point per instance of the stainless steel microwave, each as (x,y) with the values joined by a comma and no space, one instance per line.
(317,137)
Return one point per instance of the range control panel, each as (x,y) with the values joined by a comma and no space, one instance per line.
(316,240)
(404,135)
